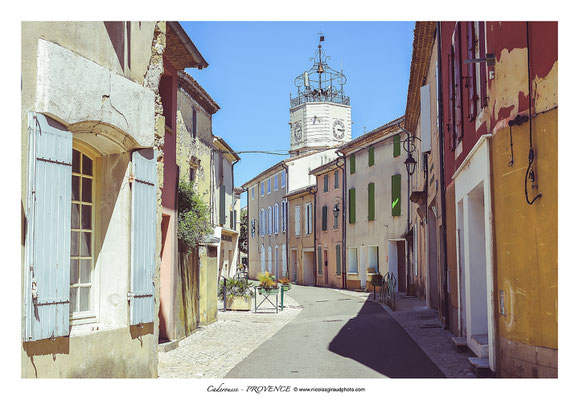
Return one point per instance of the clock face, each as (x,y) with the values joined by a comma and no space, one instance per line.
(298,131)
(339,129)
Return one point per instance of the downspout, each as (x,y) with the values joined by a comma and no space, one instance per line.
(343,247)
(313,192)
(442,181)
(287,260)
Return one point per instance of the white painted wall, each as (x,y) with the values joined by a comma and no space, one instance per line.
(299,169)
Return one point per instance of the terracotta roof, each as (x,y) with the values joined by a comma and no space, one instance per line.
(329,166)
(195,90)
(373,135)
(226,147)
(303,190)
(424,35)
(282,163)
(180,50)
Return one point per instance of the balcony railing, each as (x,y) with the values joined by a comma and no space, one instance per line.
(303,98)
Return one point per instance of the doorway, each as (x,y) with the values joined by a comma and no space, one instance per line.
(308,267)
(432,254)
(293,272)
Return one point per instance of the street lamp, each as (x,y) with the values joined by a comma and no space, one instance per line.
(409,146)
(410,163)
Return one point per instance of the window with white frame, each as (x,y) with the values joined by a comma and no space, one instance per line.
(262,258)
(275,182)
(297,220)
(262,186)
(283,215)
(269,257)
(308,219)
(283,178)
(82,235)
(269,186)
(262,222)
(276,217)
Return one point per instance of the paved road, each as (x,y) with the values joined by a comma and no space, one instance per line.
(337,336)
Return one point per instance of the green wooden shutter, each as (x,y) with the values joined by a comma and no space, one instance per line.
(325,218)
(320,260)
(352,205)
(396,145)
(371,210)
(326,181)
(338,260)
(371,156)
(336,178)
(396,201)
(352,163)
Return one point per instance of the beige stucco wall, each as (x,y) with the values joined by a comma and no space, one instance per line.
(302,241)
(83,100)
(364,233)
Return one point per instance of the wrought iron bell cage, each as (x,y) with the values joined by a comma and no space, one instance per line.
(320,83)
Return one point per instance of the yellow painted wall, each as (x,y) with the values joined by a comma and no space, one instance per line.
(207,285)
(526,235)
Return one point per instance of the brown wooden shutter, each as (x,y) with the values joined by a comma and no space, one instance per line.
(450,124)
(471,79)
(458,83)
(483,66)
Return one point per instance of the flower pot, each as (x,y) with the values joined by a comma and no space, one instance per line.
(239,303)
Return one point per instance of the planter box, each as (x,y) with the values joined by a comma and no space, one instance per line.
(267,291)
(286,288)
(239,303)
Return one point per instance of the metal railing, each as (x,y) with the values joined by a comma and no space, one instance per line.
(303,98)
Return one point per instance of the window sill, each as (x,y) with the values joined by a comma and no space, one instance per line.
(352,273)
(91,328)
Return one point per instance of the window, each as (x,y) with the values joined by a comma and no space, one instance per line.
(269,220)
(193,121)
(396,150)
(308,220)
(336,220)
(191,174)
(82,235)
(353,260)
(262,258)
(262,226)
(320,265)
(396,206)
(338,259)
(276,217)
(457,83)
(275,182)
(373,260)
(352,205)
(269,259)
(470,71)
(282,178)
(371,211)
(326,182)
(336,179)
(371,156)
(325,218)
(297,220)
(262,185)
(269,186)
(352,163)
(252,228)
(283,215)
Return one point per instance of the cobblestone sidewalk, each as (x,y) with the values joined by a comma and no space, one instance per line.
(423,326)
(213,350)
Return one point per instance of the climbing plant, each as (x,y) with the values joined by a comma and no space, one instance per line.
(194,215)
(242,244)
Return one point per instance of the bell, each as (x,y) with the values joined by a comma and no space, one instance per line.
(320,69)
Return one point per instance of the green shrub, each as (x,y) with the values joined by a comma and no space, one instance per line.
(236,287)
(194,216)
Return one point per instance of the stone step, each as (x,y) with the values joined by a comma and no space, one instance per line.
(459,344)
(481,367)
(168,346)
(483,340)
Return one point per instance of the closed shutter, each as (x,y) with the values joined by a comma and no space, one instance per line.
(284,260)
(458,82)
(352,205)
(47,286)
(396,150)
(326,182)
(352,163)
(320,260)
(396,206)
(222,205)
(325,218)
(336,179)
(483,66)
(471,80)
(425,118)
(371,208)
(371,156)
(338,260)
(297,220)
(451,103)
(143,236)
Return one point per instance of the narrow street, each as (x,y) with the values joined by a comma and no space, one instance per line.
(337,335)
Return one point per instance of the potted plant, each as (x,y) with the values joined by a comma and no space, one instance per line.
(267,283)
(285,282)
(239,294)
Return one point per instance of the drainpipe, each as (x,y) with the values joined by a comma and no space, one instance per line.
(442,181)
(287,260)
(343,168)
(313,192)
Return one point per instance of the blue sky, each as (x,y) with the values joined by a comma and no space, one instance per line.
(252,67)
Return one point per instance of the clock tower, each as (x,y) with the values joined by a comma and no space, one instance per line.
(320,115)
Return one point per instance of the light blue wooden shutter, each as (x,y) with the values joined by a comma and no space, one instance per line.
(47,286)
(143,236)
(222,205)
